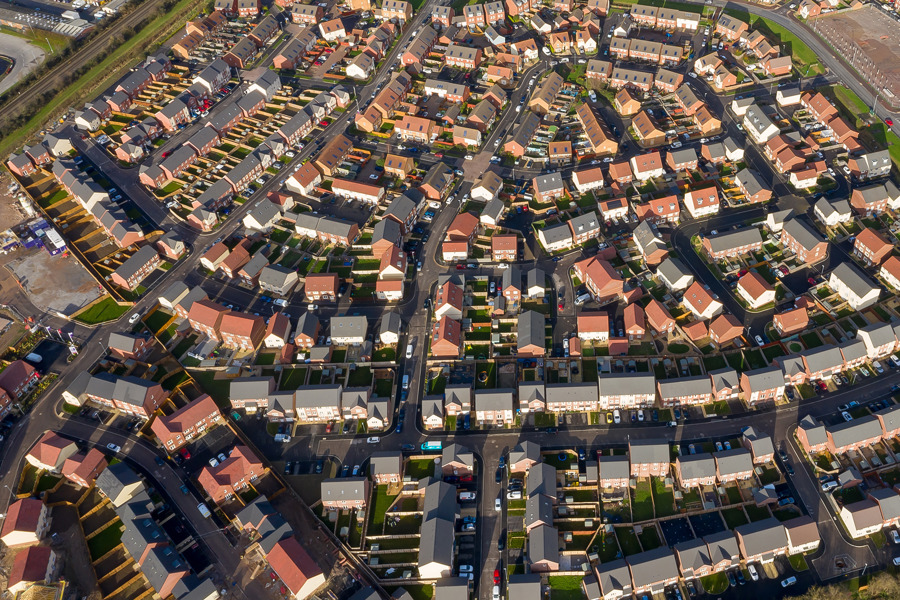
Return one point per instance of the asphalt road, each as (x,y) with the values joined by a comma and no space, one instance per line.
(25,58)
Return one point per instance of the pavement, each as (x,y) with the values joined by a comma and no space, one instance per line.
(25,58)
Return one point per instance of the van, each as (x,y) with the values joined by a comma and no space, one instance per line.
(409,349)
(204,510)
(406,382)
(582,298)
(280,302)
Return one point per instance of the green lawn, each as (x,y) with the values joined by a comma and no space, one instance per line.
(383,387)
(292,379)
(105,541)
(734,517)
(798,562)
(565,587)
(715,583)
(156,320)
(218,389)
(811,340)
(757,513)
(360,377)
(628,541)
(105,310)
(642,503)
(419,469)
(650,538)
(663,498)
(379,508)
(734,494)
(714,362)
(804,59)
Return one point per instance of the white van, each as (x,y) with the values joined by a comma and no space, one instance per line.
(409,349)
(204,510)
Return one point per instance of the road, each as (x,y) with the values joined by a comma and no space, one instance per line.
(25,58)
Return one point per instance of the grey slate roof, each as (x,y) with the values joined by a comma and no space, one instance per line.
(890,416)
(449,588)
(344,488)
(530,329)
(543,544)
(685,386)
(457,453)
(116,477)
(823,358)
(539,509)
(557,233)
(734,239)
(436,542)
(525,450)
(736,460)
(815,431)
(440,502)
(698,465)
(760,443)
(250,388)
(672,269)
(692,556)
(542,480)
(319,395)
(275,275)
(888,501)
(495,399)
(648,451)
(722,546)
(584,223)
(614,576)
(863,428)
(613,467)
(615,384)
(136,261)
(525,587)
(802,233)
(652,567)
(762,537)
(385,463)
(766,378)
(571,392)
(349,326)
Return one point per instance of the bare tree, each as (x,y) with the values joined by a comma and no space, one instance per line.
(882,585)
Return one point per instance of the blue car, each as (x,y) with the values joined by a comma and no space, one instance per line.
(413,149)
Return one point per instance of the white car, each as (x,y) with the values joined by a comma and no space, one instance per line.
(519,108)
(213,462)
(134,318)
(467,496)
(312,307)
(641,416)
(753,574)
(114,447)
(469,157)
(373,440)
(465,569)
(497,142)
(692,74)
(498,505)
(617,416)
(546,50)
(846,416)
(434,204)
(759,340)
(503,266)
(495,592)
(373,176)
(514,495)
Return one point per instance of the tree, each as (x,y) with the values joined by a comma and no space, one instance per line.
(883,585)
(830,592)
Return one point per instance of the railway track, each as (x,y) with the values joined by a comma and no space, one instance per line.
(53,80)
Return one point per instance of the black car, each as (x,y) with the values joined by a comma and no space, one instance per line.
(783,455)
(788,468)
(740,577)
(501,543)
(408,447)
(158,461)
(731,580)
(287,467)
(499,476)
(319,466)
(553,430)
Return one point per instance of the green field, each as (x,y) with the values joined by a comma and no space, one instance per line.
(805,60)
(101,312)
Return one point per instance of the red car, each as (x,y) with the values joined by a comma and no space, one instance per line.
(811,281)
(185,454)
(889,122)
(329,427)
(525,208)
(323,123)
(560,305)
(466,479)
(460,267)
(496,576)
(166,153)
(439,155)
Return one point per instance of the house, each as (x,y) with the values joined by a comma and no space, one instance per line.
(853,435)
(755,290)
(545,92)
(626,390)
(131,395)
(535,283)
(242,331)
(758,125)
(733,243)
(853,287)
(674,274)
(348,330)
(530,334)
(665,210)
(457,460)
(650,244)
(888,502)
(869,200)
(295,567)
(791,322)
(543,549)
(802,534)
(233,475)
(658,318)
(759,445)
(27,521)
(870,165)
(803,241)
(762,541)
(752,186)
(524,456)
(187,423)
(685,391)
(446,338)
(613,579)
(136,268)
(345,493)
(693,558)
(733,465)
(702,202)
(765,384)
(462,57)
(647,166)
(82,468)
(494,407)
(321,287)
(34,565)
(652,571)
(879,338)
(730,28)
(625,103)
(504,247)
(542,480)
(532,397)
(571,397)
(276,279)
(695,470)
(119,483)
(861,518)
(700,302)
(634,322)
(601,279)
(613,472)
(50,452)
(871,247)
(278,331)
(649,458)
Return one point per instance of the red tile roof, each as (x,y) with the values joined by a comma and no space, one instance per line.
(240,324)
(754,284)
(184,418)
(30,565)
(292,563)
(593,322)
(321,282)
(23,515)
(47,449)
(84,467)
(207,312)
